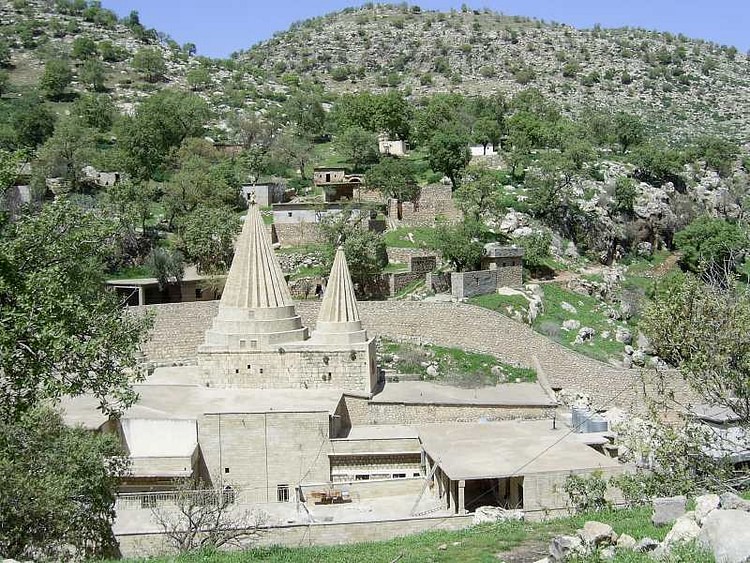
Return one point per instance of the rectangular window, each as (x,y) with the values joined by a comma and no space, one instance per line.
(282,493)
(198,292)
(399,475)
(362,478)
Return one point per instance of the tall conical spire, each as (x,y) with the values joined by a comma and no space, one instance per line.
(255,279)
(339,321)
(256,310)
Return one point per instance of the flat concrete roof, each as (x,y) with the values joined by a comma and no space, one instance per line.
(167,402)
(382,432)
(504,449)
(426,392)
(191,274)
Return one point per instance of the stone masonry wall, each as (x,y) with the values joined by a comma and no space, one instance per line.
(363,412)
(352,368)
(483,282)
(295,234)
(179,331)
(434,201)
(403,255)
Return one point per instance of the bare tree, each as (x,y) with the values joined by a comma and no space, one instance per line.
(197,517)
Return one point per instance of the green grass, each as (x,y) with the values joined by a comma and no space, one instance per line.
(479,544)
(395,268)
(455,366)
(424,237)
(311,272)
(590,312)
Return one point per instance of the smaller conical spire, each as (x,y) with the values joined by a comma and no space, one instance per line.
(339,321)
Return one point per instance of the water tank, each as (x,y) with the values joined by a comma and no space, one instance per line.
(597,423)
(579,415)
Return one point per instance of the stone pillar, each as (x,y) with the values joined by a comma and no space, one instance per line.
(141,296)
(461,497)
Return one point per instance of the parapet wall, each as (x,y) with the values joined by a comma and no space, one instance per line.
(483,282)
(435,202)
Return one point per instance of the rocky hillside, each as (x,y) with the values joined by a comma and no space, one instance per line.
(696,84)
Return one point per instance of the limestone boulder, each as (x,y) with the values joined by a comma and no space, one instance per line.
(704,505)
(622,334)
(489,514)
(731,501)
(571,324)
(563,548)
(726,533)
(569,308)
(645,344)
(624,541)
(645,545)
(684,530)
(585,334)
(596,533)
(668,509)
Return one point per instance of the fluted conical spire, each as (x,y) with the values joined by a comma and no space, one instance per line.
(339,321)
(255,279)
(256,309)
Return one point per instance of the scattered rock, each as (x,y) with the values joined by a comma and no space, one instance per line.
(645,545)
(668,509)
(596,533)
(623,335)
(584,335)
(442,547)
(645,344)
(639,358)
(730,501)
(704,505)
(644,249)
(432,371)
(607,554)
(571,251)
(684,530)
(625,541)
(629,350)
(485,514)
(569,308)
(565,547)
(726,533)
(571,324)
(627,361)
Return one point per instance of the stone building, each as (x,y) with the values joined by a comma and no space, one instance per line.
(392,147)
(277,413)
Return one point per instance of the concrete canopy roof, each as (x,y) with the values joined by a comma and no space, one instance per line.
(504,449)
(424,392)
(159,437)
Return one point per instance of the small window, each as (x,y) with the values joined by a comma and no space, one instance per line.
(416,474)
(399,475)
(198,292)
(261,370)
(282,493)
(362,478)
(236,371)
(249,366)
(226,470)
(328,177)
(288,213)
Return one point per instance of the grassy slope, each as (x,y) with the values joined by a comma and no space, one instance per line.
(478,544)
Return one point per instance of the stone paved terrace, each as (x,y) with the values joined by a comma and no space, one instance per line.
(179,330)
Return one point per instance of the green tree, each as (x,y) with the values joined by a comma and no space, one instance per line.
(168,266)
(460,245)
(150,64)
(95,110)
(628,130)
(61,333)
(293,150)
(478,193)
(486,131)
(713,244)
(393,115)
(449,154)
(705,331)
(358,146)
(198,78)
(305,111)
(393,177)
(717,153)
(92,75)
(33,123)
(83,48)
(624,195)
(207,238)
(66,152)
(159,125)
(133,202)
(55,79)
(57,494)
